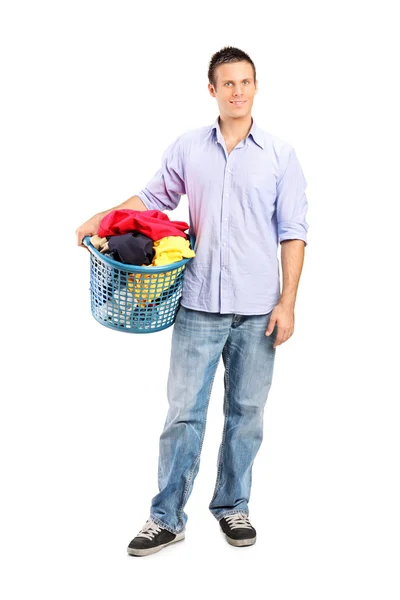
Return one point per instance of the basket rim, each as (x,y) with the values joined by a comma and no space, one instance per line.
(136,268)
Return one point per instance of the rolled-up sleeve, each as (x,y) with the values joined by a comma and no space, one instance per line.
(164,190)
(291,201)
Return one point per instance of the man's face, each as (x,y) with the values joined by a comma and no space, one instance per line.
(234,82)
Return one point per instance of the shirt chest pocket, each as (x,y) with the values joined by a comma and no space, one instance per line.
(260,191)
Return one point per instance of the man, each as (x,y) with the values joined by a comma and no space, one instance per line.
(246,194)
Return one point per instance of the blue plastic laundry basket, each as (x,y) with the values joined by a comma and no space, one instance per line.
(133,298)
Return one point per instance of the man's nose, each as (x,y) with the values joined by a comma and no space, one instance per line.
(238,90)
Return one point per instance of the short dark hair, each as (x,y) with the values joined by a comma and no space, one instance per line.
(229,54)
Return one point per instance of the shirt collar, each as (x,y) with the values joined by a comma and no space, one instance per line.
(254,132)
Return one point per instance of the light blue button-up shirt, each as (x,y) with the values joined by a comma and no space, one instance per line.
(241,205)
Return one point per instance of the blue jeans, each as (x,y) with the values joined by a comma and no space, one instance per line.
(198,339)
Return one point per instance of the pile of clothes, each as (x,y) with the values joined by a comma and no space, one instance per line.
(145,238)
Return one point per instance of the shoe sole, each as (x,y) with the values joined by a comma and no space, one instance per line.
(145,551)
(240,543)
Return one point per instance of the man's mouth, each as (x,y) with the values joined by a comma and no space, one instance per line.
(237,102)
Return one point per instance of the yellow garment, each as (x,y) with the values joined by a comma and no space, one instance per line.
(147,287)
(168,250)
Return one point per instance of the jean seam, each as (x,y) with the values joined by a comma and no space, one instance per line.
(226,407)
(231,512)
(189,479)
(164,525)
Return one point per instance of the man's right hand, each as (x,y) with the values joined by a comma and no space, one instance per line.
(90,227)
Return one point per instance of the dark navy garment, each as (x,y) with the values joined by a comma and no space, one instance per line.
(133,248)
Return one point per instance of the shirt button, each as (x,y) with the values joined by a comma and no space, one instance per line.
(224,243)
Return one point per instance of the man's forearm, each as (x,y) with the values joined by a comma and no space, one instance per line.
(134,203)
(91,226)
(292,257)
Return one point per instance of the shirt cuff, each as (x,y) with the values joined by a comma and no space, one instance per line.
(292,231)
(148,203)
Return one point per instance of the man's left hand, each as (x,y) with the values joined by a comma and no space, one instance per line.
(282,317)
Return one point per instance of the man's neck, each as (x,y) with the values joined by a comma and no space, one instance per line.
(235,129)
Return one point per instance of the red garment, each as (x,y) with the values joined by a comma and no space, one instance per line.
(153,223)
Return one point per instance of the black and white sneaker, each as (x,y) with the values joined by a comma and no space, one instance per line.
(238,529)
(152,538)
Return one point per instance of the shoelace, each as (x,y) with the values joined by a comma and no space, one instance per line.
(238,520)
(149,530)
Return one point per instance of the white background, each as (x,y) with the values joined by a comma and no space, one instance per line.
(92,94)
